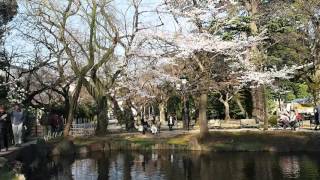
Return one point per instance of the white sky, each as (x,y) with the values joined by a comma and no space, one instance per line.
(15,43)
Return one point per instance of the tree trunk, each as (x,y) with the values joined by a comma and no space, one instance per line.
(129,118)
(162,112)
(243,111)
(226,110)
(184,113)
(226,105)
(203,122)
(316,55)
(265,108)
(254,103)
(72,107)
(66,107)
(252,7)
(102,116)
(117,111)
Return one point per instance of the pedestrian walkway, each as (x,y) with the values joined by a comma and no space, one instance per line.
(14,148)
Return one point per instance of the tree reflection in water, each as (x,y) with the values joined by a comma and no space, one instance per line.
(128,165)
(290,166)
(103,166)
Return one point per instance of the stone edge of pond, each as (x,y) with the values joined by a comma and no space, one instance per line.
(215,142)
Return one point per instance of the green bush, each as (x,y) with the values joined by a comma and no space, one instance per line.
(273,120)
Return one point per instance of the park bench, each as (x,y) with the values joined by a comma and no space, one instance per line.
(249,123)
(214,123)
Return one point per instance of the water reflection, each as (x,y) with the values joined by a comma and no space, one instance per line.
(84,168)
(175,165)
(290,166)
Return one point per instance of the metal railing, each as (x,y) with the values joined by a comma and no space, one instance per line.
(83,129)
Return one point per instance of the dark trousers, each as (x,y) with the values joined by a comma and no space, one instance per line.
(4,140)
(316,122)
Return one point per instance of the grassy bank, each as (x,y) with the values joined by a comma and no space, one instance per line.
(278,141)
(275,141)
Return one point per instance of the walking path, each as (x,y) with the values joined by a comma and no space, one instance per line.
(14,148)
(167,134)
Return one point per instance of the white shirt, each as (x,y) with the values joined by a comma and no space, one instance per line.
(170,120)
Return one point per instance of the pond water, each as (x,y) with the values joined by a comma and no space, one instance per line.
(158,165)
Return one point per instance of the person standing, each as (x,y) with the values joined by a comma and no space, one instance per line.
(144,125)
(17,120)
(45,123)
(56,123)
(293,120)
(316,117)
(4,128)
(171,122)
(158,123)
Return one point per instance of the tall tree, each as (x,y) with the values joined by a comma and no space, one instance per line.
(8,9)
(309,22)
(83,46)
(256,14)
(199,50)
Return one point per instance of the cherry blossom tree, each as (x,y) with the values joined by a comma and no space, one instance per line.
(199,47)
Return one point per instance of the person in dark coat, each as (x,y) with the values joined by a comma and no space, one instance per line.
(316,117)
(4,128)
(145,125)
(56,122)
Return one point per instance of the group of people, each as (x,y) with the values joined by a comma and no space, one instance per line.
(291,120)
(52,123)
(153,124)
(11,126)
(288,119)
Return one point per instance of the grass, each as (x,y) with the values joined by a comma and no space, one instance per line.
(142,141)
(180,140)
(262,141)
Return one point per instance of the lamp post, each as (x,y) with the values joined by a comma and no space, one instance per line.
(185,116)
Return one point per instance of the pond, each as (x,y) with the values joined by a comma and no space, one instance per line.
(160,165)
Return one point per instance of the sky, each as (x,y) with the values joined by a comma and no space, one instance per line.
(15,43)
